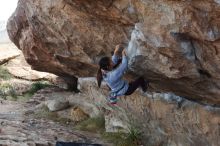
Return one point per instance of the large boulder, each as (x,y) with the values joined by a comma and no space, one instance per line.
(175,44)
(162,119)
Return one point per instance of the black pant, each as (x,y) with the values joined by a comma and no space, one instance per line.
(135,84)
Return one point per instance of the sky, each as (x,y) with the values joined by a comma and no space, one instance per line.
(7,7)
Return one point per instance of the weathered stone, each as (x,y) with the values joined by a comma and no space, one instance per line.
(82,101)
(57,104)
(173,43)
(161,118)
(19,68)
(17,129)
(114,123)
(8,52)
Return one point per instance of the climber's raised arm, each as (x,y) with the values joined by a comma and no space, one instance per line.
(117,54)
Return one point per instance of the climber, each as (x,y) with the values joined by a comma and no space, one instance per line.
(113,75)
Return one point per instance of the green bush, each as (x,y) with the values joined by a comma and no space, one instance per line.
(38,86)
(7,91)
(4,74)
(35,87)
(132,138)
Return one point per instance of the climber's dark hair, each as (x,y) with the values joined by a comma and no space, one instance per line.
(103,64)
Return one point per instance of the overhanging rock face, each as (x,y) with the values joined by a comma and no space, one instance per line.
(173,43)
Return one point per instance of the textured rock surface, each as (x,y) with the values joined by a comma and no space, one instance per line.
(14,61)
(19,68)
(57,104)
(164,120)
(8,52)
(75,100)
(161,119)
(19,129)
(174,43)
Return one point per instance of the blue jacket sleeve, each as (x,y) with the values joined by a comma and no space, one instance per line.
(115,59)
(119,71)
